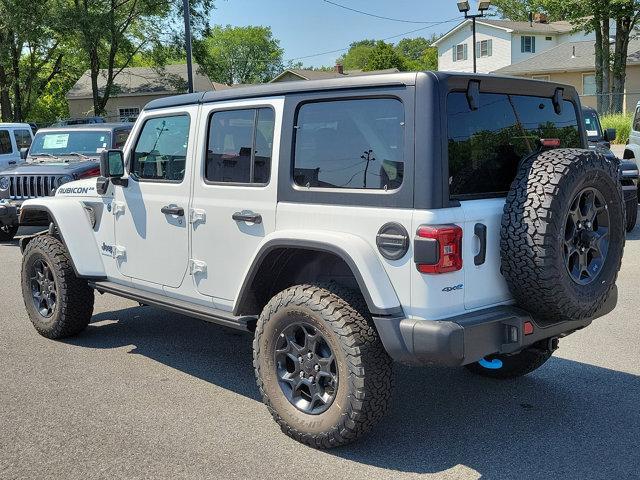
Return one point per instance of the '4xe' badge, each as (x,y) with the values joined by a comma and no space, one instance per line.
(453,289)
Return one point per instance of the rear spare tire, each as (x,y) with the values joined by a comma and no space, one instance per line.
(563,233)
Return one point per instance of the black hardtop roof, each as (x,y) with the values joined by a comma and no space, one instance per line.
(533,87)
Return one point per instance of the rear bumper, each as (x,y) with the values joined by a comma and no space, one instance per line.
(8,214)
(470,337)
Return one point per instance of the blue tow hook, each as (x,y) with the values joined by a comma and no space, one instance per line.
(494,364)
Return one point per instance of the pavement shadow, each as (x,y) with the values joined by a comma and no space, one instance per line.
(568,419)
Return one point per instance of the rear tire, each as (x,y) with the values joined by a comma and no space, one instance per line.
(355,386)
(59,303)
(8,232)
(505,367)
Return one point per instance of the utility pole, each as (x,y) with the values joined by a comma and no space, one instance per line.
(187,44)
(464,7)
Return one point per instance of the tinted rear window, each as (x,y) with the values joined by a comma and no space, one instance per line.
(486,145)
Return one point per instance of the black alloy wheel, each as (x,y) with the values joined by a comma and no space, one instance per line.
(306,368)
(586,241)
(43,289)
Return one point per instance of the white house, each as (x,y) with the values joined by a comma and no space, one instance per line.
(500,43)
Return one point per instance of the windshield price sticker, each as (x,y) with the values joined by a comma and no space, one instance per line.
(55,141)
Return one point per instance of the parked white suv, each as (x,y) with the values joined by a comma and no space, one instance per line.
(14,137)
(417,217)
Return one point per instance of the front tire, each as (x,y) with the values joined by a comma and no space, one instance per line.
(320,365)
(59,303)
(8,232)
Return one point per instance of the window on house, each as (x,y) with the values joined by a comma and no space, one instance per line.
(528,44)
(240,146)
(460,52)
(23,138)
(128,114)
(549,39)
(484,48)
(5,142)
(589,84)
(356,144)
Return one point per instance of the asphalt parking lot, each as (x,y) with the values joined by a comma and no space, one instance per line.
(147,394)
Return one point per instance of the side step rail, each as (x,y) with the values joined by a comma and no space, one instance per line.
(208,314)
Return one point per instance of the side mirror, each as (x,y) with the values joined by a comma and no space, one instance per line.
(24,151)
(112,164)
(610,134)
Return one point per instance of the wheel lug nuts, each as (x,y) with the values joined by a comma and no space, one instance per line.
(301,374)
(311,379)
(309,355)
(300,359)
(317,368)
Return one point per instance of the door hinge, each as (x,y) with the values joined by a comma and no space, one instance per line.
(197,266)
(197,215)
(119,252)
(117,208)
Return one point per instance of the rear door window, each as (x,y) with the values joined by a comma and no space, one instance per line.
(486,145)
(355,144)
(5,142)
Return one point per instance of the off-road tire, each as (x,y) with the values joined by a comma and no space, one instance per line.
(632,213)
(74,305)
(513,366)
(533,227)
(364,368)
(8,232)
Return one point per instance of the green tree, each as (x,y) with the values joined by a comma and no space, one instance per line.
(384,56)
(237,55)
(358,55)
(111,33)
(419,53)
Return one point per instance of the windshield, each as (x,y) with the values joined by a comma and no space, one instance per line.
(70,142)
(592,125)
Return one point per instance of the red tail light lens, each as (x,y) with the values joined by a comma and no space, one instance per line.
(93,172)
(550,142)
(442,249)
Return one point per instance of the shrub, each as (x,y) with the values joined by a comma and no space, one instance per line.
(622,124)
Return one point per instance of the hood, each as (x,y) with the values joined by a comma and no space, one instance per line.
(50,167)
(602,148)
(79,188)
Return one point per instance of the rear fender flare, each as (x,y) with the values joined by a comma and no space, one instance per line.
(370,275)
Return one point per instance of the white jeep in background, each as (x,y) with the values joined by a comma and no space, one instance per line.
(417,217)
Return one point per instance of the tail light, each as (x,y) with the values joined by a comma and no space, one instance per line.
(438,249)
(93,172)
(550,142)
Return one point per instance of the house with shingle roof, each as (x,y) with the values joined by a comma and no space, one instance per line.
(500,43)
(134,88)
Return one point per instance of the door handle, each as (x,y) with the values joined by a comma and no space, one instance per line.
(480,231)
(246,216)
(173,210)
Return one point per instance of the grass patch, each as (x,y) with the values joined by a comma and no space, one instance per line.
(621,122)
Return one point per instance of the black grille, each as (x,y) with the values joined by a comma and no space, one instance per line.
(31,186)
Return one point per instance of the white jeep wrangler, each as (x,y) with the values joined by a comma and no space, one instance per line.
(417,217)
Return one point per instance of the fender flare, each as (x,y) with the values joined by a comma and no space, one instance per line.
(634,149)
(81,245)
(369,273)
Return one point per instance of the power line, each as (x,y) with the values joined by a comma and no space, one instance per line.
(455,19)
(373,14)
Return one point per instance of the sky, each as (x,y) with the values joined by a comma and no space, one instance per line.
(309,27)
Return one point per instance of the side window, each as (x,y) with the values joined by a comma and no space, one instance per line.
(23,138)
(5,142)
(636,120)
(486,145)
(161,149)
(240,146)
(350,144)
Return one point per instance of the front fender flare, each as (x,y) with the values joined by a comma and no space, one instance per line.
(68,214)
(372,279)
(634,149)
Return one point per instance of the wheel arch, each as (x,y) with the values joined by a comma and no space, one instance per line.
(262,279)
(631,151)
(63,215)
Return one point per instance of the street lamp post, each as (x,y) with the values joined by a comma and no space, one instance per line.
(464,7)
(187,44)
